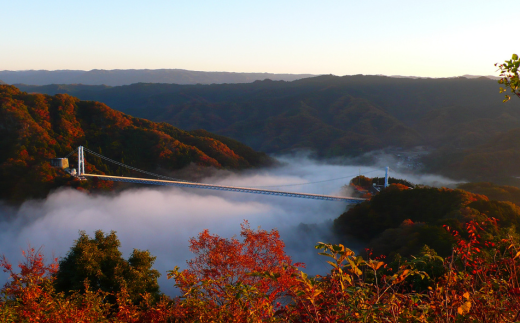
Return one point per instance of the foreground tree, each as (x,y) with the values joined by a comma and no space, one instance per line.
(235,281)
(29,295)
(510,76)
(99,263)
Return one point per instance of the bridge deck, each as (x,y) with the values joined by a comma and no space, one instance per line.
(225,188)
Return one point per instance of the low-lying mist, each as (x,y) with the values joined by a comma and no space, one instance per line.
(163,219)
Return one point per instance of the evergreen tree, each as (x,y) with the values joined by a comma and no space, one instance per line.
(99,263)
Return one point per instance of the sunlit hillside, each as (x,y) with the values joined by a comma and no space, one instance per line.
(36,127)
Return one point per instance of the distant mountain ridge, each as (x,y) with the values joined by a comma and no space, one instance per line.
(469,76)
(168,76)
(492,77)
(126,77)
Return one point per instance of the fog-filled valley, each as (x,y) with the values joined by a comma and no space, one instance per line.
(163,219)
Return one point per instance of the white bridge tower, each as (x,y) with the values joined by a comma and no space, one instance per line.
(81,161)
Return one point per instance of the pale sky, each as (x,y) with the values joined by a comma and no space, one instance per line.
(438,38)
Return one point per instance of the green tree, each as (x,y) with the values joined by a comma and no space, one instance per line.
(510,76)
(99,263)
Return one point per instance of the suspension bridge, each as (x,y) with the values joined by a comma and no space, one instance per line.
(168,181)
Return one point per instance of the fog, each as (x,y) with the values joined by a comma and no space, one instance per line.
(162,220)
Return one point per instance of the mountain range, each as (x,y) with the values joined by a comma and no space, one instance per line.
(337,116)
(351,113)
(125,77)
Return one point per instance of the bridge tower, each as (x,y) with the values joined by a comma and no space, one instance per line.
(81,161)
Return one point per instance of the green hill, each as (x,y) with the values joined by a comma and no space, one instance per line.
(36,127)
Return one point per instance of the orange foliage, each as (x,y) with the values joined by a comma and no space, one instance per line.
(36,127)
(233,280)
(398,186)
(30,297)
(230,280)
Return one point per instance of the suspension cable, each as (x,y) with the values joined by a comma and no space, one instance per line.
(181,180)
(323,181)
(133,168)
(72,152)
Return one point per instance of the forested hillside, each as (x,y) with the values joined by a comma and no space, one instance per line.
(401,221)
(464,119)
(493,191)
(36,127)
(334,115)
(494,160)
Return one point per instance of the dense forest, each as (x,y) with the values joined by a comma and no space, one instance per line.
(401,220)
(404,217)
(37,127)
(463,120)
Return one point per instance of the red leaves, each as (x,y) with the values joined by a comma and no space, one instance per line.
(33,273)
(30,297)
(233,260)
(250,278)
(236,279)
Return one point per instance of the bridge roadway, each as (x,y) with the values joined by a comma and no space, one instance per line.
(225,188)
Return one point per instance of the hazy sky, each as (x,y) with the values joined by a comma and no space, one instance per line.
(405,37)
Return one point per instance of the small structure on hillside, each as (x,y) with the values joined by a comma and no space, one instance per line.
(62,163)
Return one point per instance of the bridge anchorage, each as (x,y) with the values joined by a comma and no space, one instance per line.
(168,181)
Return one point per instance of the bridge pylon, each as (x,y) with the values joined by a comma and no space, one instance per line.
(81,161)
(386,176)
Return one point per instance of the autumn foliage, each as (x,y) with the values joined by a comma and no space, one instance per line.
(235,281)
(37,127)
(251,279)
